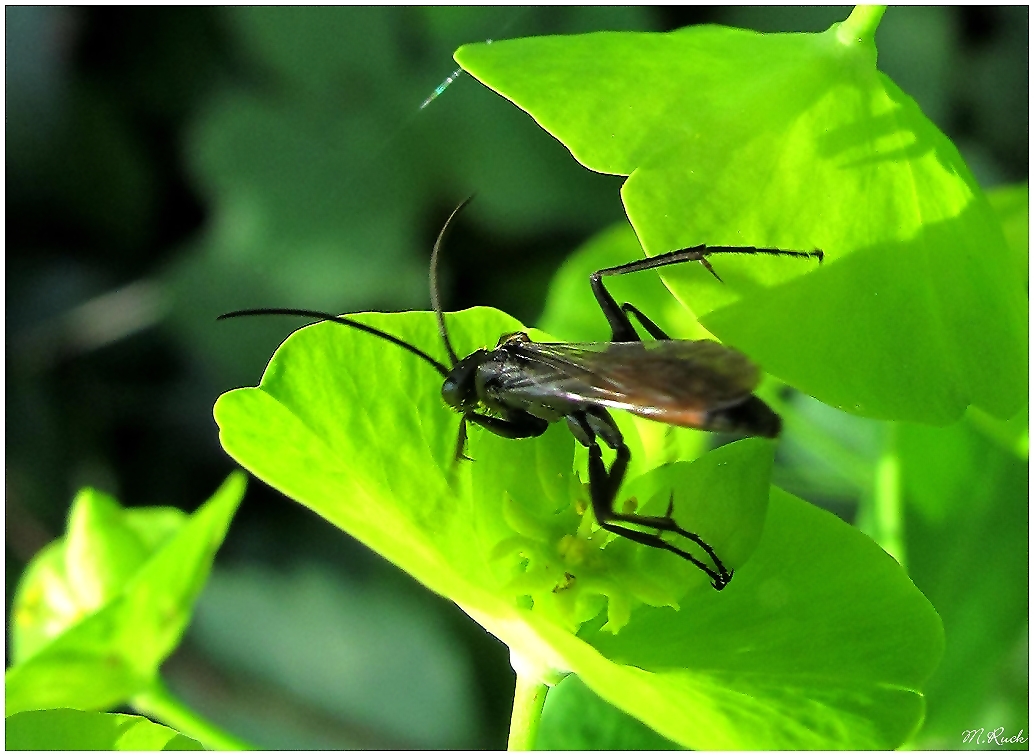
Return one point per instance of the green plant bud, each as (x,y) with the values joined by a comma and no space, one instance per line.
(101,551)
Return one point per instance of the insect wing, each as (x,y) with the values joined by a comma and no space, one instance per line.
(675,382)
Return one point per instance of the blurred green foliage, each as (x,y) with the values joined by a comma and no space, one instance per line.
(71,730)
(98,611)
(190,161)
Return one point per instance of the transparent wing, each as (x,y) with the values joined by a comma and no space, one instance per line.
(676,382)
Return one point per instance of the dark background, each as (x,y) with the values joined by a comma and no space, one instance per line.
(167,165)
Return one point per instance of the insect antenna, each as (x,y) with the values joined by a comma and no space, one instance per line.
(324,316)
(433,275)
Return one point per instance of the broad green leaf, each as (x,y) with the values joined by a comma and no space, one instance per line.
(71,730)
(88,631)
(817,617)
(794,141)
(824,644)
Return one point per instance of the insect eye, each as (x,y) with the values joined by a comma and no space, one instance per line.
(458,389)
(451,393)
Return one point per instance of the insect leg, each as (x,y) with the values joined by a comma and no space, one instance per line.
(516,425)
(719,578)
(603,485)
(652,328)
(699,254)
(691,254)
(461,443)
(725,574)
(620,327)
(603,489)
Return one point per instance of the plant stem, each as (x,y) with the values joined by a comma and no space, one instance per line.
(887,514)
(528,698)
(861,25)
(817,440)
(159,703)
(1002,433)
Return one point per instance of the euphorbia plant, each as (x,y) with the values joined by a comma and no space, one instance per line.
(95,615)
(817,619)
(729,137)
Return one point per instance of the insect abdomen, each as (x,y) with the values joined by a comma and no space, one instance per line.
(753,417)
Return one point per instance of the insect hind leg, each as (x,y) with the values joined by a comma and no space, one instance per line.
(603,490)
(700,253)
(620,326)
(619,522)
(719,578)
(651,328)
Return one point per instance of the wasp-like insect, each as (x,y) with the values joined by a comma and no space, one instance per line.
(518,388)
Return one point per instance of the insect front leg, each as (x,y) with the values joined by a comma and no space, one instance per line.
(514,425)
(603,490)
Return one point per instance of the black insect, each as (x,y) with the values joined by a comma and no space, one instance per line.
(518,388)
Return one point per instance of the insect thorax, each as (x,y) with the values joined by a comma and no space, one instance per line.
(517,337)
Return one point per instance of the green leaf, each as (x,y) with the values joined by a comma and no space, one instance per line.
(71,651)
(793,141)
(71,730)
(817,619)
(821,642)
